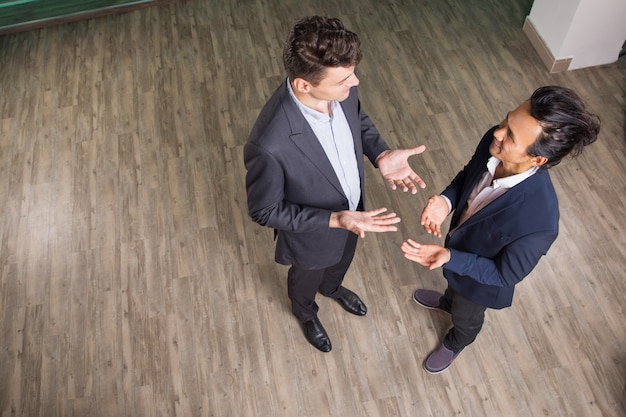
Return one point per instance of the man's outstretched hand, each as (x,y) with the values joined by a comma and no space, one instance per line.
(395,169)
(434,214)
(359,222)
(430,256)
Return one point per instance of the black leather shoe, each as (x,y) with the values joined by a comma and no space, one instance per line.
(316,335)
(351,302)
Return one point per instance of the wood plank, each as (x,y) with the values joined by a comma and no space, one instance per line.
(133,283)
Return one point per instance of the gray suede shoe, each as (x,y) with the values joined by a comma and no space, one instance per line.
(428,299)
(440,360)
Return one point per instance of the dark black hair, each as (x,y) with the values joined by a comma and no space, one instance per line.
(567,125)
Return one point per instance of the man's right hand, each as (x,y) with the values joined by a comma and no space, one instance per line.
(434,214)
(359,222)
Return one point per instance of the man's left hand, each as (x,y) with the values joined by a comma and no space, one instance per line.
(395,168)
(431,256)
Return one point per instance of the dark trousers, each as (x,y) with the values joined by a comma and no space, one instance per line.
(467,318)
(304,284)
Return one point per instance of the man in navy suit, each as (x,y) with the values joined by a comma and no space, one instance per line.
(506,214)
(304,161)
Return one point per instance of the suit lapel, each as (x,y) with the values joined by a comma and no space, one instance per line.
(503,202)
(473,178)
(355,128)
(303,137)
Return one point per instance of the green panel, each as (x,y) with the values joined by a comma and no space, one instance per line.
(9,3)
(14,12)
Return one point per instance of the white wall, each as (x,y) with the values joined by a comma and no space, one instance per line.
(591,32)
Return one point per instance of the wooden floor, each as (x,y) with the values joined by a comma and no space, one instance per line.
(133,283)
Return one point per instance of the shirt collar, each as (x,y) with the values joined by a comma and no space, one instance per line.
(510,181)
(313,114)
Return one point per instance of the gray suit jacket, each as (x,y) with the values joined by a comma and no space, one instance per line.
(291,184)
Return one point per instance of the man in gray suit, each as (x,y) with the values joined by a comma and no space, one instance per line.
(304,161)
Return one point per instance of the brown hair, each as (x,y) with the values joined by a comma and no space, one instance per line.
(316,43)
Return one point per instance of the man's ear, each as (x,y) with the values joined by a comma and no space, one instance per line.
(301,85)
(537,161)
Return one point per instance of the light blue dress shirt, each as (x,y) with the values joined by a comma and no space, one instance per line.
(335,136)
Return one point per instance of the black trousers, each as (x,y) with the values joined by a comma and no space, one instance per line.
(304,284)
(467,319)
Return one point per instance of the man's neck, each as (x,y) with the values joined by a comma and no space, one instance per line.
(322,106)
(503,171)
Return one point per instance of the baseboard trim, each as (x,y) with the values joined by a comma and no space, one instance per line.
(554,65)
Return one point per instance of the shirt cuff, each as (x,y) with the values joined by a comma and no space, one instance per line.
(448,202)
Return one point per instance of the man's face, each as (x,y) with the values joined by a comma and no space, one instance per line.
(336,84)
(512,138)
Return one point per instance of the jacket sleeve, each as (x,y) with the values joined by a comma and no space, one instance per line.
(266,200)
(373,143)
(511,265)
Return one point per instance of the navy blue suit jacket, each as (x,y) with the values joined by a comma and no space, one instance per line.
(291,184)
(499,245)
